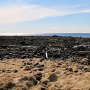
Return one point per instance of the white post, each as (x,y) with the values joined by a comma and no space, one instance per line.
(46,55)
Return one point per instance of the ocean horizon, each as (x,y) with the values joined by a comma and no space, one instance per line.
(51,34)
(65,34)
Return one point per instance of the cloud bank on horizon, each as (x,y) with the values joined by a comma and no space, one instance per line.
(44,16)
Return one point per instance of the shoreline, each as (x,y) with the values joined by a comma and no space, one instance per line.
(37,46)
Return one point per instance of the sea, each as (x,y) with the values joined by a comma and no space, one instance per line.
(51,34)
(66,34)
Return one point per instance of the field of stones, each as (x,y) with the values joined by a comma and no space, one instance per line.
(37,46)
(24,65)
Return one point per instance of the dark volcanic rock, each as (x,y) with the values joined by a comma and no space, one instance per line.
(86,69)
(27,68)
(43,88)
(24,78)
(53,77)
(30,81)
(9,85)
(40,66)
(85,61)
(45,82)
(69,69)
(36,64)
(24,88)
(56,47)
(40,69)
(34,81)
(80,67)
(3,70)
(29,84)
(15,71)
(23,56)
(38,76)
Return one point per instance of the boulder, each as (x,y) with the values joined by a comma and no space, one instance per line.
(9,85)
(53,77)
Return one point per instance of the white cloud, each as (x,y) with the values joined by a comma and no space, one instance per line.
(19,13)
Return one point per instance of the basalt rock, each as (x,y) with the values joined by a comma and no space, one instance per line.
(56,47)
(9,85)
(43,88)
(53,77)
(27,68)
(38,76)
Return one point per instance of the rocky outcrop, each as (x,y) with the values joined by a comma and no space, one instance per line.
(56,47)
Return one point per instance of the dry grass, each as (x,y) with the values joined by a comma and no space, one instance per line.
(69,75)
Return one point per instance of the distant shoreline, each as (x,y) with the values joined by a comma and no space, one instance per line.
(66,34)
(85,35)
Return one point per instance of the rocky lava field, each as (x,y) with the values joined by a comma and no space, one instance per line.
(23,65)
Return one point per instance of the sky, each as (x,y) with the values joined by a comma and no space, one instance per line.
(44,16)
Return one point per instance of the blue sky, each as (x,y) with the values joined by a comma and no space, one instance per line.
(44,16)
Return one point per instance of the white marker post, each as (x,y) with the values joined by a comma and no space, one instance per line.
(46,55)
